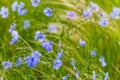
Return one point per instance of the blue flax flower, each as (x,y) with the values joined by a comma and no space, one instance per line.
(117,10)
(48,11)
(82,43)
(93,53)
(35,3)
(102,15)
(12,27)
(52,28)
(40,36)
(87,13)
(19,62)
(65,77)
(71,14)
(104,22)
(26,24)
(7,64)
(115,14)
(15,37)
(94,6)
(94,75)
(21,10)
(4,12)
(102,60)
(57,64)
(14,40)
(36,54)
(106,76)
(15,6)
(77,74)
(47,45)
(33,60)
(59,55)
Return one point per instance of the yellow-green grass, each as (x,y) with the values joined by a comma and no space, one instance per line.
(104,40)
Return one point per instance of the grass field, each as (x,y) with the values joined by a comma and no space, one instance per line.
(77,61)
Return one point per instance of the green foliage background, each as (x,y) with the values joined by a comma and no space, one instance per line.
(106,41)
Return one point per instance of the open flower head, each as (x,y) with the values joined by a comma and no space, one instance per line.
(15,6)
(40,36)
(4,12)
(48,12)
(35,3)
(47,45)
(26,24)
(7,64)
(71,14)
(57,64)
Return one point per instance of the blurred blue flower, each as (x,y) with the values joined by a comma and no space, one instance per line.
(87,13)
(47,45)
(27,59)
(14,40)
(52,28)
(93,53)
(40,36)
(36,54)
(21,10)
(7,64)
(35,3)
(21,5)
(4,12)
(82,43)
(33,60)
(71,14)
(106,76)
(15,37)
(102,60)
(14,33)
(102,15)
(104,22)
(26,24)
(94,75)
(73,63)
(77,74)
(116,10)
(115,14)
(19,62)
(48,11)
(59,55)
(94,6)
(57,64)
(15,6)
(12,27)
(65,77)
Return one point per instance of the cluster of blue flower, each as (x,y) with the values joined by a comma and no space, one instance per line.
(115,14)
(95,8)
(4,12)
(93,53)
(34,58)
